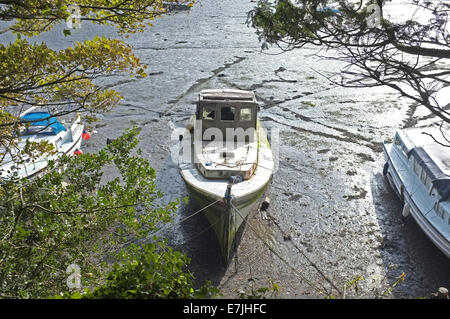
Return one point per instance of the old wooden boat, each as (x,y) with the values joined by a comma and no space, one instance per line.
(229,162)
(418,169)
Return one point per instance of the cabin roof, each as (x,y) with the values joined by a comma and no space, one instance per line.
(427,136)
(437,166)
(440,156)
(227,94)
(433,157)
(433,160)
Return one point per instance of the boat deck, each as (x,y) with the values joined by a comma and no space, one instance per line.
(216,160)
(216,187)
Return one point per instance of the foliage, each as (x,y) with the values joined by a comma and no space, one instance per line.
(36,16)
(373,293)
(94,211)
(80,215)
(148,271)
(408,54)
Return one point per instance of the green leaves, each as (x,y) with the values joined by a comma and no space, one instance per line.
(284,20)
(294,23)
(149,271)
(33,16)
(75,216)
(259,293)
(34,74)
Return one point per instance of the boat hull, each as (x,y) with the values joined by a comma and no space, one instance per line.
(40,166)
(226,219)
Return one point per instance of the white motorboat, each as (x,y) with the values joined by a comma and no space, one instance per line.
(40,127)
(229,162)
(418,169)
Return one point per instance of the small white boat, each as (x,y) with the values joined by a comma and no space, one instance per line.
(418,169)
(180,5)
(230,162)
(40,127)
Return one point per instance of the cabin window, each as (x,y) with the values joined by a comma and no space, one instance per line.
(246,114)
(58,142)
(416,167)
(397,141)
(227,113)
(405,149)
(208,113)
(440,211)
(423,177)
(428,184)
(32,130)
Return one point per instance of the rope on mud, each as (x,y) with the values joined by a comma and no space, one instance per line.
(283,259)
(186,218)
(201,232)
(298,248)
(309,260)
(200,210)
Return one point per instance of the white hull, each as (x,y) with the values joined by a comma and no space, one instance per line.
(65,142)
(420,199)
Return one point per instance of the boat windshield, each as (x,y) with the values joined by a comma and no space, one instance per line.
(33,130)
(227,113)
(401,146)
(208,113)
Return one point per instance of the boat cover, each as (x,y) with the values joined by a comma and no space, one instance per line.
(47,120)
(436,163)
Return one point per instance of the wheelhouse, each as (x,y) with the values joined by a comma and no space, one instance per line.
(229,111)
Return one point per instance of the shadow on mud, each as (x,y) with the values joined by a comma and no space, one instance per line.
(201,245)
(405,248)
